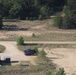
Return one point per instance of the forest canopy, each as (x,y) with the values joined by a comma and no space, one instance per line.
(31,9)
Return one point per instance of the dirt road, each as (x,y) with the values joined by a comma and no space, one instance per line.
(48,42)
(14,53)
(63,57)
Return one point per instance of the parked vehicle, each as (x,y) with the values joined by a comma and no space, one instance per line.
(29,52)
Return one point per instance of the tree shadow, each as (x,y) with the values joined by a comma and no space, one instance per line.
(13,28)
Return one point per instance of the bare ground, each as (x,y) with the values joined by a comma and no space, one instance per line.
(64,58)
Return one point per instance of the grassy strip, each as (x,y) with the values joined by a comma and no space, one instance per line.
(2,48)
(47,37)
(23,47)
(52,37)
(39,69)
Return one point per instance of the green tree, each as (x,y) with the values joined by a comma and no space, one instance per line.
(60,72)
(44,12)
(69,20)
(66,9)
(1,14)
(20,40)
(7,4)
(58,21)
(66,22)
(14,11)
(71,4)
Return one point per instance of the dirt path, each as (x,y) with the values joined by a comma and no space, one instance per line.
(14,53)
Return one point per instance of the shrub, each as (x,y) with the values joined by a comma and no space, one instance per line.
(48,73)
(33,35)
(20,40)
(42,54)
(35,49)
(61,71)
(2,48)
(58,21)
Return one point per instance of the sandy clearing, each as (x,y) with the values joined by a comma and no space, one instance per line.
(14,53)
(64,58)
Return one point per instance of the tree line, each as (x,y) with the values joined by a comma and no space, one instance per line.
(68,21)
(30,9)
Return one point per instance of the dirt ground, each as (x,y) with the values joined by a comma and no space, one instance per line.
(14,53)
(64,58)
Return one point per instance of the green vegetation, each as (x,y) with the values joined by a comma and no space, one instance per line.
(69,18)
(35,49)
(31,9)
(48,73)
(2,48)
(20,40)
(38,9)
(60,72)
(33,35)
(23,47)
(1,14)
(27,70)
(58,21)
(42,54)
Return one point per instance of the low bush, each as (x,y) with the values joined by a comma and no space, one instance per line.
(42,54)
(2,48)
(35,49)
(33,35)
(20,40)
(60,71)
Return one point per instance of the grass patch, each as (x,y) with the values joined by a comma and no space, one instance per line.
(26,46)
(21,47)
(2,48)
(40,69)
(52,37)
(45,29)
(47,37)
